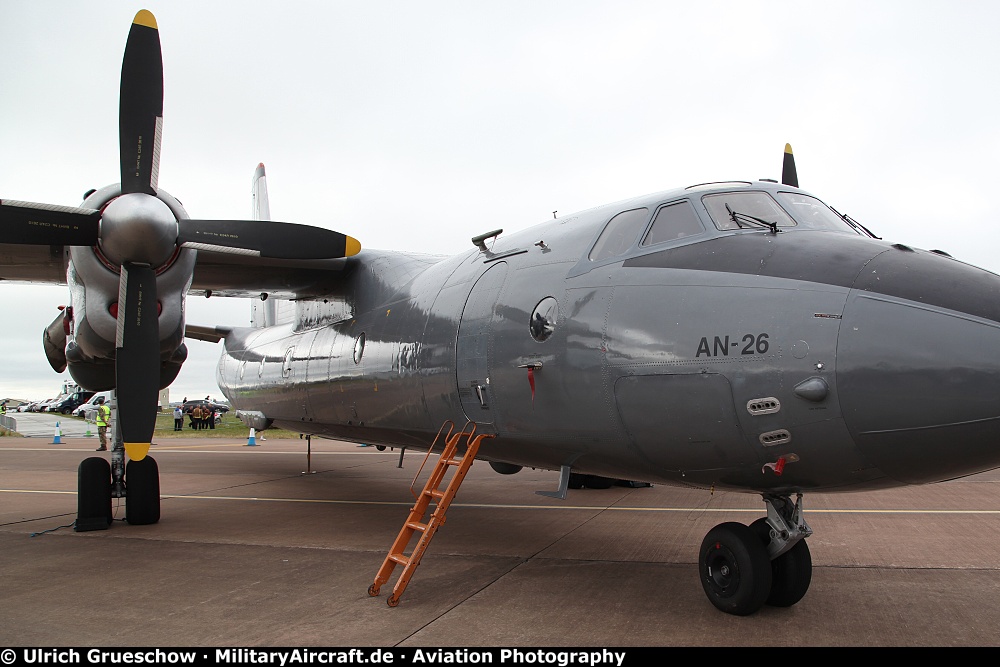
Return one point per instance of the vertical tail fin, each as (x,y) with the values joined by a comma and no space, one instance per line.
(261,207)
(263,313)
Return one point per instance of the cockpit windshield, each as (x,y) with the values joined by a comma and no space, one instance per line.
(742,210)
(814,214)
(755,209)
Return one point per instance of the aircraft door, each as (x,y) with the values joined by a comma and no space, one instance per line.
(474,349)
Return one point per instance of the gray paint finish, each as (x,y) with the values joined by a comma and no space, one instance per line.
(655,356)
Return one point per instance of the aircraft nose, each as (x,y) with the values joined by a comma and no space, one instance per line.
(918,366)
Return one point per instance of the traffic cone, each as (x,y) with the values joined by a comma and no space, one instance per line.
(252,440)
(57,440)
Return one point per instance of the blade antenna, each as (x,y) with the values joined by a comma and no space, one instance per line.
(788,175)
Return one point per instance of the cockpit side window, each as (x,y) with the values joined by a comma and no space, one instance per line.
(619,234)
(673,221)
(735,210)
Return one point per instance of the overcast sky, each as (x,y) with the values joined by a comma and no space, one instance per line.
(417,125)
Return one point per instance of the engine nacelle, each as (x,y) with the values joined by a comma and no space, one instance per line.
(54,341)
(89,337)
(254,419)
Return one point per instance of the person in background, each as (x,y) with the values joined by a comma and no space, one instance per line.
(178,419)
(103,421)
(196,418)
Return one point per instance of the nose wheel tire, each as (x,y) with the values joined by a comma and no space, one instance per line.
(735,569)
(791,572)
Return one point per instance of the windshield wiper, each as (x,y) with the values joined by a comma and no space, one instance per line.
(854,223)
(737,217)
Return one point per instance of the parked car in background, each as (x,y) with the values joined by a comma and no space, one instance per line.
(43,406)
(88,409)
(70,403)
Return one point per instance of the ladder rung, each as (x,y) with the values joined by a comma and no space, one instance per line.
(448,457)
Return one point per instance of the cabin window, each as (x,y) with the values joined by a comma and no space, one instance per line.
(673,221)
(735,210)
(359,347)
(544,318)
(619,234)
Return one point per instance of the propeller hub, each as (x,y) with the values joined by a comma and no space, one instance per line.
(138,228)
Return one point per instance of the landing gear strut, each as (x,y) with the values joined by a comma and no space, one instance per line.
(743,568)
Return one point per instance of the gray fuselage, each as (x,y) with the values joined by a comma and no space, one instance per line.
(692,358)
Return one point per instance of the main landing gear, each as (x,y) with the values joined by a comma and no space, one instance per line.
(99,481)
(743,567)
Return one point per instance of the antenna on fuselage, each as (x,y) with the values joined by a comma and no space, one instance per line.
(788,175)
(480,241)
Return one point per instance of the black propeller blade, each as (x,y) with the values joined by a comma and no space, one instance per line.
(788,175)
(140,116)
(137,357)
(47,224)
(279,240)
(137,345)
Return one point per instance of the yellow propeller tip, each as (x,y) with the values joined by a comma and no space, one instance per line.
(146,18)
(351,247)
(137,451)
(788,148)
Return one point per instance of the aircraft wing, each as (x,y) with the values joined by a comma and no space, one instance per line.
(224,274)
(33,263)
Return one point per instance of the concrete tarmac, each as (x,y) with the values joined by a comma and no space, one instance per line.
(257,548)
(46,425)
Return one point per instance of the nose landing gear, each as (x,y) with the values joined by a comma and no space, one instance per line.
(743,567)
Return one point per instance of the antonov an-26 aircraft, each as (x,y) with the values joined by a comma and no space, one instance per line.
(739,335)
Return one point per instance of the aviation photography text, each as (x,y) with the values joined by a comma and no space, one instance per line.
(312,656)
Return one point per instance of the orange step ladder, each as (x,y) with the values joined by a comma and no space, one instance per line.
(431,492)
